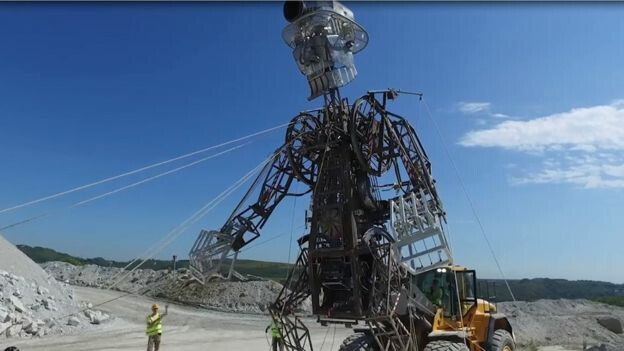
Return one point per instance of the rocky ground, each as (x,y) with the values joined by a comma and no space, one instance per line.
(565,323)
(186,328)
(34,304)
(230,296)
(568,323)
(189,328)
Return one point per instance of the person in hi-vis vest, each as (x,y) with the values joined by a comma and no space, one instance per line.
(277,339)
(154,328)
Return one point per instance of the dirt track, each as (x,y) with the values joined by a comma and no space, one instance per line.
(185,329)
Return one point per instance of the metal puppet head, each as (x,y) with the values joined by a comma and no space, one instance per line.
(324,37)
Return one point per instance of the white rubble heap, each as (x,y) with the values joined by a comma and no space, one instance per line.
(566,322)
(28,309)
(34,304)
(229,296)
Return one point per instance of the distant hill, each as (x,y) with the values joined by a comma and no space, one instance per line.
(523,289)
(42,254)
(270,270)
(612,300)
(545,288)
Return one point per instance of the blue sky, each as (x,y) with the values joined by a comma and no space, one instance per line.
(528,97)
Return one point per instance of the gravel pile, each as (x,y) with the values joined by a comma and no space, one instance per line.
(34,304)
(564,322)
(103,277)
(249,297)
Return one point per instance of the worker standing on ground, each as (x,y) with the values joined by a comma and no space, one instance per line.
(154,328)
(277,340)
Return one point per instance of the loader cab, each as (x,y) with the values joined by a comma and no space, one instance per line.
(450,288)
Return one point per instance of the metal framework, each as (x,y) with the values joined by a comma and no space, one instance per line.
(359,258)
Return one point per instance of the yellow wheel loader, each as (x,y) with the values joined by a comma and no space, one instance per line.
(462,320)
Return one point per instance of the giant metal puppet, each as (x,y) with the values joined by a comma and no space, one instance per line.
(362,249)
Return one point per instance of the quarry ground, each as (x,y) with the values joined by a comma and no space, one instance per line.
(185,329)
(36,312)
(553,325)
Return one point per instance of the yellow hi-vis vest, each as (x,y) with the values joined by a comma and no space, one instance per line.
(154,325)
(276,331)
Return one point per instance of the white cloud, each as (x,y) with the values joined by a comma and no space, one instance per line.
(587,172)
(586,129)
(582,146)
(481,109)
(500,115)
(474,107)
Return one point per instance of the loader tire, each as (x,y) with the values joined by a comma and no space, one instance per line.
(444,345)
(502,341)
(358,342)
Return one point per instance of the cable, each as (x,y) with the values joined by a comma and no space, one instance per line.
(266,337)
(198,215)
(191,220)
(176,232)
(111,300)
(179,231)
(264,242)
(159,175)
(461,313)
(96,305)
(465,191)
(325,337)
(459,305)
(156,246)
(292,229)
(184,225)
(450,238)
(80,203)
(86,186)
(24,221)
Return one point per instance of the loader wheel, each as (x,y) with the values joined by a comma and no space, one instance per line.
(502,341)
(358,342)
(443,345)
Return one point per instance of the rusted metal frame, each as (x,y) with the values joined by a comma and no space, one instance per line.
(226,228)
(413,158)
(294,290)
(387,328)
(306,128)
(384,333)
(330,191)
(350,228)
(380,142)
(277,181)
(295,334)
(390,333)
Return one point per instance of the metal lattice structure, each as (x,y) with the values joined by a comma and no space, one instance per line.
(359,258)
